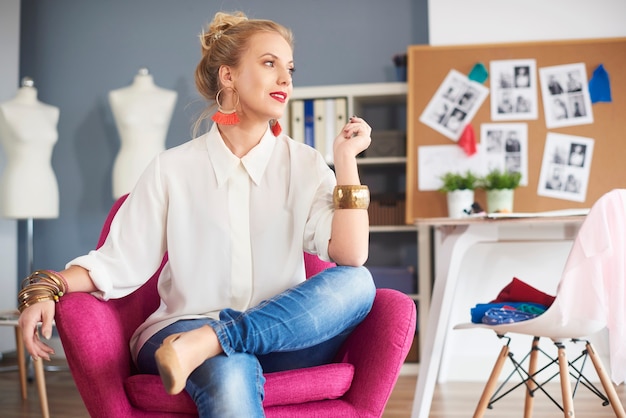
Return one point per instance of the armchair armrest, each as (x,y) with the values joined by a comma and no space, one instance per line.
(99,357)
(377,348)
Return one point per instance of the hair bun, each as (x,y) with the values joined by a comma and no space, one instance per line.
(220,24)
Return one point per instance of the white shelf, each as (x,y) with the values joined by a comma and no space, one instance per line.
(371,100)
(356,95)
(351,90)
(381,160)
(393,228)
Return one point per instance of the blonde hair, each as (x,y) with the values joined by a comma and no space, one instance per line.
(223,43)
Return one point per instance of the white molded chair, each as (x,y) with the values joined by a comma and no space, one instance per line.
(547,325)
(589,298)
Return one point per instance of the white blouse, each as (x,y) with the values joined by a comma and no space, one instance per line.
(234,229)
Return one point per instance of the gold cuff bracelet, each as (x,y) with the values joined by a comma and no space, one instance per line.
(351,197)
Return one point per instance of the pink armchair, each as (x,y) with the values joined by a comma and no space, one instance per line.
(96,334)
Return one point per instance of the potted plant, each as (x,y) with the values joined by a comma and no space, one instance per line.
(459,189)
(400,62)
(499,186)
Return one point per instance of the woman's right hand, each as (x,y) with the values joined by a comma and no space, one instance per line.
(40,312)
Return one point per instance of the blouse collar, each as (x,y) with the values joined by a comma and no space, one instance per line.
(225,162)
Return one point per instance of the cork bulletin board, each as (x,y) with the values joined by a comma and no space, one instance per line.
(429,65)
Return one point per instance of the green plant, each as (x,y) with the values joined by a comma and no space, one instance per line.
(456,181)
(497,180)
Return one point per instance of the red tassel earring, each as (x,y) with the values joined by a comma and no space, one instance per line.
(226,117)
(275,127)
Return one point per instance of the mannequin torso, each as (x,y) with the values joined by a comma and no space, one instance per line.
(142,113)
(28,132)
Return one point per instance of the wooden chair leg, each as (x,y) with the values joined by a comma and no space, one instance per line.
(609,389)
(490,387)
(566,387)
(41,387)
(531,386)
(21,361)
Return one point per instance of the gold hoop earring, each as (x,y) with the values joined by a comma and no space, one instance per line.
(226,117)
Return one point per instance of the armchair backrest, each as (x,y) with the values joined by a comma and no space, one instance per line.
(137,306)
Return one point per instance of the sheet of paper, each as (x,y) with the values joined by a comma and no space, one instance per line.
(562,212)
(454,105)
(436,160)
(506,147)
(513,89)
(565,167)
(565,92)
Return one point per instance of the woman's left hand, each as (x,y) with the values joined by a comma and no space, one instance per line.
(353,139)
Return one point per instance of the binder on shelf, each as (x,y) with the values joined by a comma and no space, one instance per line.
(341,112)
(339,108)
(331,130)
(309,122)
(297,120)
(319,125)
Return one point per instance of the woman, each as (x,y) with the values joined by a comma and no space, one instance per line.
(234,209)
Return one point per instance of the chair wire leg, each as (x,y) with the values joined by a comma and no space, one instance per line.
(531,385)
(485,398)
(581,379)
(566,388)
(606,382)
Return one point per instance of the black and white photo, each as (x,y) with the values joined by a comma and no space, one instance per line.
(565,167)
(454,105)
(505,147)
(514,90)
(566,99)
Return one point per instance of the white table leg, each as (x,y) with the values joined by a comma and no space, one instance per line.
(448,266)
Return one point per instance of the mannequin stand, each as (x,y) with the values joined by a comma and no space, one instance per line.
(29,246)
(30,264)
(12,316)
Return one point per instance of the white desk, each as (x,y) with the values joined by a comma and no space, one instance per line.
(451,239)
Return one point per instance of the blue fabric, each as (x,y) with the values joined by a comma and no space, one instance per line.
(478,312)
(495,316)
(600,85)
(300,327)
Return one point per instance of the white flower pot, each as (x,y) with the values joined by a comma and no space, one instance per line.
(459,201)
(500,200)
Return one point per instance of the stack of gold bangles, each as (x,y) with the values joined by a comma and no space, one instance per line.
(40,286)
(351,197)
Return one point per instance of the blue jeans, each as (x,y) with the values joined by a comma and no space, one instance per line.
(301,327)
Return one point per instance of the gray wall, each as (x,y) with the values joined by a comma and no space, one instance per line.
(79,50)
(9,57)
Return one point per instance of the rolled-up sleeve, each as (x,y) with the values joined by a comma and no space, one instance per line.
(135,246)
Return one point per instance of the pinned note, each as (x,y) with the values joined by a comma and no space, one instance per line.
(479,73)
(600,86)
(467,141)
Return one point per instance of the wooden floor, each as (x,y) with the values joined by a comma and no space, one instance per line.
(459,399)
(451,400)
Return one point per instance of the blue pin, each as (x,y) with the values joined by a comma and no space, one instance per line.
(600,86)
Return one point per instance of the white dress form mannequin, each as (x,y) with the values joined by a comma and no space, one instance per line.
(142,113)
(28,132)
